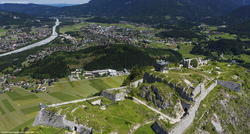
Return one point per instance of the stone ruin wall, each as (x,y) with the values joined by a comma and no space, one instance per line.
(136,83)
(182,93)
(113,96)
(109,95)
(158,129)
(48,119)
(230,85)
(150,78)
(120,96)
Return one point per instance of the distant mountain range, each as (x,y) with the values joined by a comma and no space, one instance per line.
(238,15)
(136,10)
(60,5)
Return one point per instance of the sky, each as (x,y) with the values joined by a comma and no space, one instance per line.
(46,1)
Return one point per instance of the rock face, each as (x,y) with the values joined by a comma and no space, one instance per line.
(230,85)
(159,128)
(109,94)
(46,118)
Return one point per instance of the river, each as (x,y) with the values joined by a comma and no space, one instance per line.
(43,42)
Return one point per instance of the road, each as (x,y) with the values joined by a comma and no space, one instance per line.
(43,42)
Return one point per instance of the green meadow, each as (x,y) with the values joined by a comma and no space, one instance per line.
(125,26)
(20,107)
(75,27)
(185,51)
(3,31)
(145,129)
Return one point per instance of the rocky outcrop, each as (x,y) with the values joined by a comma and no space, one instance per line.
(49,119)
(159,128)
(230,85)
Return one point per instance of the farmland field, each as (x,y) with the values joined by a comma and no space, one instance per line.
(8,105)
(20,107)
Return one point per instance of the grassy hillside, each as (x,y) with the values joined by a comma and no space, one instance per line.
(120,117)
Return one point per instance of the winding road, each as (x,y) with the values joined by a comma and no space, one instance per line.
(40,43)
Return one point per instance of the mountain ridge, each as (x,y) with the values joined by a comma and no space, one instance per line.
(143,10)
